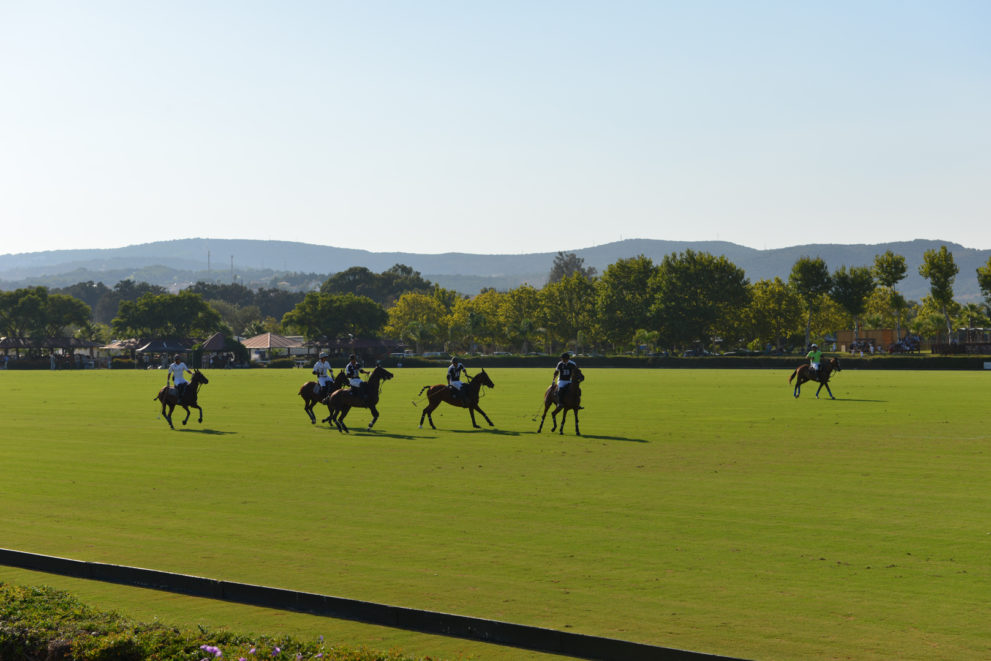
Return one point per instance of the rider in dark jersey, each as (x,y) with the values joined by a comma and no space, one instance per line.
(563,374)
(353,371)
(454,371)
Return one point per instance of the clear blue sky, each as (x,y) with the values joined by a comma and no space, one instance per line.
(499,127)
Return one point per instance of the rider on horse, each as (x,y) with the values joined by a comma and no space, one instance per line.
(176,373)
(563,373)
(815,357)
(454,371)
(354,372)
(324,374)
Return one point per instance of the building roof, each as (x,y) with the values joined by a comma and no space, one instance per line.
(214,343)
(271,341)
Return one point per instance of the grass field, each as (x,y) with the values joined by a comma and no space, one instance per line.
(700,509)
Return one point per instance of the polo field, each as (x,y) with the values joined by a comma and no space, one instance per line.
(700,509)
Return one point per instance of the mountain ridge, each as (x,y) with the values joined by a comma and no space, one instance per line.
(179,262)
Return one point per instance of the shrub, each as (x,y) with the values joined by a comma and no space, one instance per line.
(43,623)
(30,364)
(282,362)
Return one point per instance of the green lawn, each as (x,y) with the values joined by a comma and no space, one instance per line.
(700,509)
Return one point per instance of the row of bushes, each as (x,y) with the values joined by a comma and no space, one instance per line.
(43,623)
(917,362)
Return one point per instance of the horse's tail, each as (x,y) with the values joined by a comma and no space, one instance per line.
(422,389)
(793,375)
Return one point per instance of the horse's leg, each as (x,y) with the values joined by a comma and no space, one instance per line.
(798,385)
(343,411)
(826,383)
(198,408)
(308,405)
(375,415)
(168,416)
(186,419)
(564,416)
(478,408)
(577,433)
(546,406)
(428,411)
(557,409)
(331,413)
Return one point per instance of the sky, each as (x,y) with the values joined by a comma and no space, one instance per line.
(494,127)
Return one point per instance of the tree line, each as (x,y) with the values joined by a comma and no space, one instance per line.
(688,300)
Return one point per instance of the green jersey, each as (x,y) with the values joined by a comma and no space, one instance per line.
(814,356)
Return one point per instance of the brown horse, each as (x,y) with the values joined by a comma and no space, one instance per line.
(467,398)
(312,395)
(169,398)
(804,373)
(341,401)
(570,402)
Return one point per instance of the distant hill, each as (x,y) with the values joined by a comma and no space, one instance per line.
(179,263)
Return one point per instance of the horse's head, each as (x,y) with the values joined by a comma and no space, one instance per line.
(579,377)
(834,364)
(484,379)
(380,373)
(199,377)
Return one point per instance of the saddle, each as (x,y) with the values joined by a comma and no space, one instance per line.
(171,390)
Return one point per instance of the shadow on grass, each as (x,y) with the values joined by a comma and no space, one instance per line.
(363,431)
(214,432)
(597,437)
(613,438)
(484,430)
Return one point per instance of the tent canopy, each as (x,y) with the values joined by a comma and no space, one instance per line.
(162,346)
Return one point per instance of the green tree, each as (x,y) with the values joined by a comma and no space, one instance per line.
(23,313)
(236,316)
(973,315)
(623,299)
(697,294)
(851,289)
(889,269)
(519,310)
(179,316)
(476,320)
(810,279)
(568,307)
(984,281)
(417,318)
(567,264)
(774,313)
(383,288)
(940,270)
(321,316)
(62,311)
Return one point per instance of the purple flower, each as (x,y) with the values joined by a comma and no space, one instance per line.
(275,651)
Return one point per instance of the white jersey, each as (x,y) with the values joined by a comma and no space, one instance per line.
(323,370)
(177,370)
